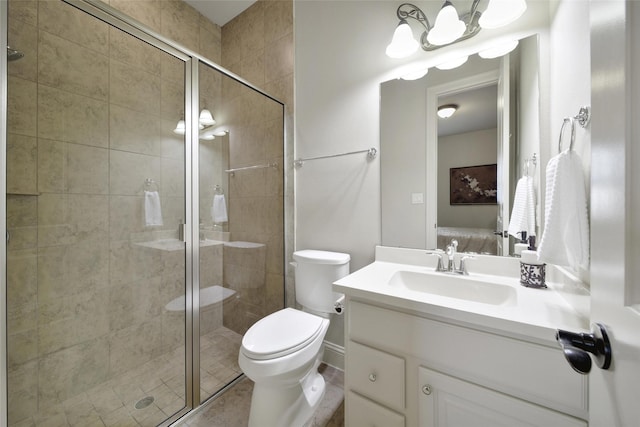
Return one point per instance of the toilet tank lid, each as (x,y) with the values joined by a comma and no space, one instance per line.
(321,257)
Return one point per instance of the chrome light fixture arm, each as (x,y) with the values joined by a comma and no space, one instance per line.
(408,10)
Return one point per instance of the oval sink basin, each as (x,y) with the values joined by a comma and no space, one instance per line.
(459,287)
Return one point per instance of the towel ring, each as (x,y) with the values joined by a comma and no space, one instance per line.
(572,121)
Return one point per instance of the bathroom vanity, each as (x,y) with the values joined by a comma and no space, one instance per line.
(432,349)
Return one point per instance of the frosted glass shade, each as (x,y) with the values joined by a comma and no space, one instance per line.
(452,63)
(402,44)
(499,50)
(206,118)
(180,128)
(448,26)
(502,12)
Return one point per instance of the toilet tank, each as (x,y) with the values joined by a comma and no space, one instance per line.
(315,273)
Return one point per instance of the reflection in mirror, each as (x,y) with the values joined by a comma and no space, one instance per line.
(467,204)
(420,152)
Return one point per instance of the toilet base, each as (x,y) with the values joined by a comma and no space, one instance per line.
(286,406)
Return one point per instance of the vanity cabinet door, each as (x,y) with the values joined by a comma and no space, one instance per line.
(362,412)
(446,401)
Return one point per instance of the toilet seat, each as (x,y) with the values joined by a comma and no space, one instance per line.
(281,333)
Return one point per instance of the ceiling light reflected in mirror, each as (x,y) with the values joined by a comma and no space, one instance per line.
(447,110)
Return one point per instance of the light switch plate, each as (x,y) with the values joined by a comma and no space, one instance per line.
(417,198)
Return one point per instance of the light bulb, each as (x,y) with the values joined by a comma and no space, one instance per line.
(448,26)
(402,44)
(502,12)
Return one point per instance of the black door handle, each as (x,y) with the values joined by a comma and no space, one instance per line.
(577,348)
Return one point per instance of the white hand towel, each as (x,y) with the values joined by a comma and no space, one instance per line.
(152,209)
(219,209)
(523,214)
(565,240)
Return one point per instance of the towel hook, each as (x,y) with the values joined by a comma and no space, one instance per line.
(572,121)
(151,185)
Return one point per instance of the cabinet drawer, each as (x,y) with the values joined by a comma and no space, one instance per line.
(376,374)
(363,412)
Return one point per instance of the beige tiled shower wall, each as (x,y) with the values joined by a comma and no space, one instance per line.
(258,46)
(90,117)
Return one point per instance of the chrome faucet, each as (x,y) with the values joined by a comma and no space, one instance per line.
(451,253)
(452,249)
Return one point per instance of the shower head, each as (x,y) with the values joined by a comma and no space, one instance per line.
(13,55)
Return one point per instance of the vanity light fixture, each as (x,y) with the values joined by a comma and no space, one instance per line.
(447,110)
(449,27)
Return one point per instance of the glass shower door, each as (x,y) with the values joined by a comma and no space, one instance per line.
(241,207)
(95,193)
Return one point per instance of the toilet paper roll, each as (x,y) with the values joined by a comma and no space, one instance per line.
(338,306)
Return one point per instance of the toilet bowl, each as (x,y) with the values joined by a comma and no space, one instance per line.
(281,352)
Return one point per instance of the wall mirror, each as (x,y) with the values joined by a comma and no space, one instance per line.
(454,178)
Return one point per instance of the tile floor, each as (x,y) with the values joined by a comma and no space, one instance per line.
(231,409)
(113,404)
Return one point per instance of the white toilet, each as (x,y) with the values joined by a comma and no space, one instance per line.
(281,352)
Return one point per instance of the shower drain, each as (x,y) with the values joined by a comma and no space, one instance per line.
(144,402)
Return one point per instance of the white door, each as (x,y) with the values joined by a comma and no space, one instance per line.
(615,209)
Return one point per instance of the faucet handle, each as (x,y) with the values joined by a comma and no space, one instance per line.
(463,265)
(440,266)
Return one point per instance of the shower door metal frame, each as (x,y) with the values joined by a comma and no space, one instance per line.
(192,60)
(4,399)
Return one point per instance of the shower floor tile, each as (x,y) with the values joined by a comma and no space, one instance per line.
(113,403)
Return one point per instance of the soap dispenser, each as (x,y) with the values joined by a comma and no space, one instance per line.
(521,245)
(532,270)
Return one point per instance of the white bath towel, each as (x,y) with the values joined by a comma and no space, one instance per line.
(565,240)
(523,214)
(152,209)
(219,209)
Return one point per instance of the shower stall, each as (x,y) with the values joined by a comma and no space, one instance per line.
(143,216)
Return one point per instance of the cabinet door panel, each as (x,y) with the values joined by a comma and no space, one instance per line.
(450,402)
(361,412)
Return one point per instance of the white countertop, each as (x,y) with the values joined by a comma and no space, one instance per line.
(534,314)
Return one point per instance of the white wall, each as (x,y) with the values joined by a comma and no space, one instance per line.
(339,65)
(570,81)
(465,149)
